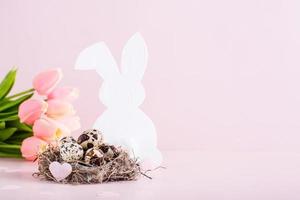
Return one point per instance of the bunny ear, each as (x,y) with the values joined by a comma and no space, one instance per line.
(99,58)
(134,58)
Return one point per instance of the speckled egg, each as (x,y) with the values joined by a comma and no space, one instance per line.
(94,156)
(66,139)
(109,151)
(70,151)
(90,138)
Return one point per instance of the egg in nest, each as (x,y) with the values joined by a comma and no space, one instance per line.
(94,156)
(90,138)
(69,150)
(67,139)
(109,151)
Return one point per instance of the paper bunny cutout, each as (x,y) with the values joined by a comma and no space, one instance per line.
(123,123)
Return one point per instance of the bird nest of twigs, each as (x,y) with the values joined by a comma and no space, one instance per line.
(118,168)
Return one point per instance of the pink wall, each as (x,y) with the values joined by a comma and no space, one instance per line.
(222,75)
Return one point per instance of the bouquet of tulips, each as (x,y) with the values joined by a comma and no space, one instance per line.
(31,119)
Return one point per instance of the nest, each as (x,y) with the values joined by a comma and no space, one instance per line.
(118,168)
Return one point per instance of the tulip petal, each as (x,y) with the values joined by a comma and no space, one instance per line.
(64,93)
(31,109)
(47,80)
(72,122)
(31,146)
(59,108)
(62,129)
(44,129)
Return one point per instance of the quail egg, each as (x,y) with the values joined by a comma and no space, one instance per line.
(94,156)
(109,151)
(70,151)
(66,139)
(90,138)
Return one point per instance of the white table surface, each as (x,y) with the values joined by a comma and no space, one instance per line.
(189,175)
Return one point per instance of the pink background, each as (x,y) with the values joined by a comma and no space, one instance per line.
(222,75)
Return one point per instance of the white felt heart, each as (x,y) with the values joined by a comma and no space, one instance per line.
(60,171)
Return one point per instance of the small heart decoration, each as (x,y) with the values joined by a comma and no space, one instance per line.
(60,171)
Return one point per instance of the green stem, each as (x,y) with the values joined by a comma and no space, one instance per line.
(21,93)
(9,155)
(10,146)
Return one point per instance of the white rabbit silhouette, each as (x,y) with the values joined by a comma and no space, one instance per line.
(123,123)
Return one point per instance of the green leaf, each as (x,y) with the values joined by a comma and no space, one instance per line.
(19,136)
(20,126)
(7,83)
(21,93)
(9,118)
(13,109)
(9,141)
(2,125)
(6,133)
(8,113)
(5,103)
(10,150)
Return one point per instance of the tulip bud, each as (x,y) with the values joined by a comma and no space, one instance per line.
(72,122)
(64,93)
(62,129)
(49,129)
(44,129)
(58,108)
(31,146)
(46,81)
(31,109)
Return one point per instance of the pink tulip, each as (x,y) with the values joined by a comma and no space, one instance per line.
(31,109)
(63,130)
(31,147)
(58,108)
(46,81)
(49,129)
(64,93)
(72,123)
(44,129)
